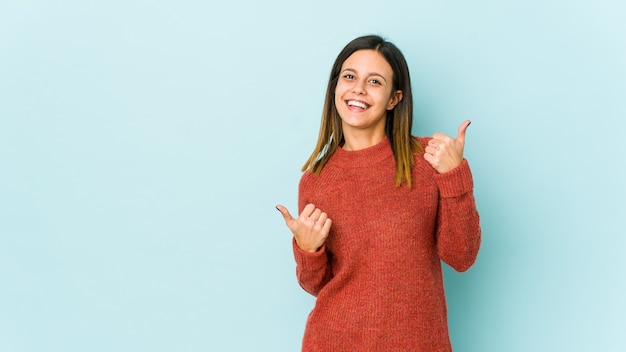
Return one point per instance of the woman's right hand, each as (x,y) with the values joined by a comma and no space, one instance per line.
(310,229)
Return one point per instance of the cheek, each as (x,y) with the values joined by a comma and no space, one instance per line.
(338,95)
(337,90)
(342,87)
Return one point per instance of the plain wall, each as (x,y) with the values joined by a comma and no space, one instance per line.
(144,145)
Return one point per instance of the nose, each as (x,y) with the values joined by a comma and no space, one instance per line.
(359,87)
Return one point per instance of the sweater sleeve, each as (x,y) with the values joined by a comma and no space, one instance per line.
(458,223)
(313,270)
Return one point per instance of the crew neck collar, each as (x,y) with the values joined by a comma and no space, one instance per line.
(362,157)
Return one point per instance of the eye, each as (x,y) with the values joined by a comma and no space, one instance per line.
(375,81)
(348,76)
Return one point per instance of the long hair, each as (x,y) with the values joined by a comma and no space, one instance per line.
(399,120)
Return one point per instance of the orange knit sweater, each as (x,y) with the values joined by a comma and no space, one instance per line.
(378,278)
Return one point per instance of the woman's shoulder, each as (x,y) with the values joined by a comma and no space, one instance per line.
(310,179)
(306,175)
(422,140)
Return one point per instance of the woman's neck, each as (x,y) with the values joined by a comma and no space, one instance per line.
(361,139)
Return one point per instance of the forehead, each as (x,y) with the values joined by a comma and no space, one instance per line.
(368,61)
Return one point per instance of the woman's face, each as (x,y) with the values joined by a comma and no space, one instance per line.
(364,91)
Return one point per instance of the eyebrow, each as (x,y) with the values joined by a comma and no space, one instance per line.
(369,74)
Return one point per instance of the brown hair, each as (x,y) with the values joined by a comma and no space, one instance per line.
(399,120)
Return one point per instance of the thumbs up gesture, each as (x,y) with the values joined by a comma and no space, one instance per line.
(310,229)
(445,153)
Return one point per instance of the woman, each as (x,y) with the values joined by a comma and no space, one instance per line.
(379,210)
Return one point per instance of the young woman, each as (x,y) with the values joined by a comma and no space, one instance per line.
(379,210)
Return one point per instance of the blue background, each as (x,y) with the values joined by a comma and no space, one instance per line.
(144,145)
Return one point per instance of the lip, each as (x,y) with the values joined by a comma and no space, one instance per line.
(356,108)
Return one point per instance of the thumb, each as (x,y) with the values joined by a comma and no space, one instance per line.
(462,129)
(286,215)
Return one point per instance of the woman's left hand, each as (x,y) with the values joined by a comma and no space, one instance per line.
(445,153)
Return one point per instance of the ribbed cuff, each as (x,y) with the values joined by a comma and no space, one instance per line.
(309,260)
(455,182)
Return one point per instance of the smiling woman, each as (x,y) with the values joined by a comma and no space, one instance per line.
(379,210)
(397,120)
(362,97)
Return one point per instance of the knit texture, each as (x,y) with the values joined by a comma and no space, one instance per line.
(378,278)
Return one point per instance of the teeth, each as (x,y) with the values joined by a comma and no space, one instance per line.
(357,104)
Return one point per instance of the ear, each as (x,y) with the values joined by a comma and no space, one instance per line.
(394,100)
